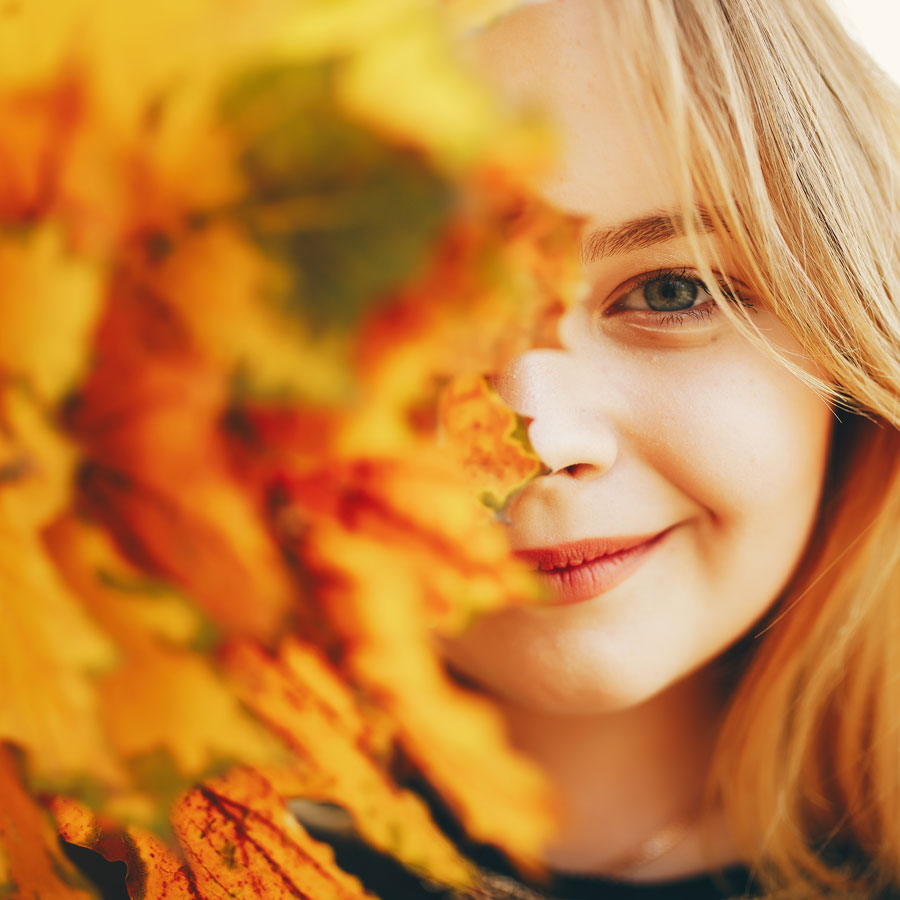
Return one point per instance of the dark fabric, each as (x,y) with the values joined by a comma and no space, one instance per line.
(107,877)
(390,881)
(387,879)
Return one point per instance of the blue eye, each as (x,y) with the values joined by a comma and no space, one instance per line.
(669,297)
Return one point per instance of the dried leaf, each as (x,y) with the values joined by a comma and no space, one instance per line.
(159,698)
(31,864)
(455,737)
(240,840)
(156,872)
(149,420)
(302,698)
(75,821)
(488,438)
(49,647)
(59,288)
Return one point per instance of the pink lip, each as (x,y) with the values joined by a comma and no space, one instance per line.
(580,570)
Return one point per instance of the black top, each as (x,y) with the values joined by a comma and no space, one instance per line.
(389,880)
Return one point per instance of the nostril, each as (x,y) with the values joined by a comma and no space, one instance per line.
(582,471)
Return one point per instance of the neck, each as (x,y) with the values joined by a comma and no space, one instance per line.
(624,776)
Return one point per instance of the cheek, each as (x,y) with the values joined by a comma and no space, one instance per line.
(736,432)
(747,444)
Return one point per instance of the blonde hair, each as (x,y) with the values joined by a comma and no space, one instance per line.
(783,128)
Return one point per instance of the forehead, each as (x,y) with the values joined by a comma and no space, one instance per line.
(556,57)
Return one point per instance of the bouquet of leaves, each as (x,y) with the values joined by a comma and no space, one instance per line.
(254,258)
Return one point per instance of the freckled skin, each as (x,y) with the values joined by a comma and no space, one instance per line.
(644,429)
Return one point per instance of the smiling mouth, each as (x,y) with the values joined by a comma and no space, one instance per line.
(580,570)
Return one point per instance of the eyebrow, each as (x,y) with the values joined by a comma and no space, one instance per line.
(638,234)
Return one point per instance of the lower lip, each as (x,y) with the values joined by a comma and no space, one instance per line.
(576,584)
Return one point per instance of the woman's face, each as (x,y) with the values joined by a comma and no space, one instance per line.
(686,455)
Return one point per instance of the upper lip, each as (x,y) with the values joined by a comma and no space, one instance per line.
(576,553)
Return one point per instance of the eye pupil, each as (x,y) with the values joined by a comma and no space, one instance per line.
(670,293)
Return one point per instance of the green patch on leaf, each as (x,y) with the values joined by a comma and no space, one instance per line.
(351,216)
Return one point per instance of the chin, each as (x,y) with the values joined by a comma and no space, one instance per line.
(562,683)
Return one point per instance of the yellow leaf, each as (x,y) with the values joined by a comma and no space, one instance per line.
(149,419)
(50,649)
(159,698)
(444,109)
(225,290)
(456,737)
(75,821)
(302,698)
(43,283)
(36,462)
(161,873)
(487,437)
(31,864)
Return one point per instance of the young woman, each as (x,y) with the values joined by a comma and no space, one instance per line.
(715,690)
(716,685)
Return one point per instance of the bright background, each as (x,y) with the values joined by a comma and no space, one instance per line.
(876,25)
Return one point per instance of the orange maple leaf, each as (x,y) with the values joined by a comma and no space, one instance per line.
(240,839)
(455,737)
(488,438)
(302,698)
(149,421)
(164,696)
(31,864)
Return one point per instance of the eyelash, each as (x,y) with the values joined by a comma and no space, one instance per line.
(676,318)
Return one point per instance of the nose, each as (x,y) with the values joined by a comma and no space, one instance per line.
(571,430)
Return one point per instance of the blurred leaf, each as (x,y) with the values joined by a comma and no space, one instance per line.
(149,421)
(31,864)
(166,711)
(455,737)
(301,697)
(42,282)
(50,649)
(352,216)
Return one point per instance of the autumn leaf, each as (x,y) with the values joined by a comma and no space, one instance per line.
(233,300)
(320,188)
(427,522)
(155,871)
(302,698)
(236,284)
(59,287)
(454,736)
(148,420)
(31,864)
(38,123)
(498,282)
(391,570)
(51,649)
(240,839)
(488,438)
(166,710)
